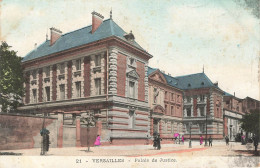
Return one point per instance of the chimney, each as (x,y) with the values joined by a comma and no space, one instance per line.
(216,84)
(97,20)
(234,94)
(55,35)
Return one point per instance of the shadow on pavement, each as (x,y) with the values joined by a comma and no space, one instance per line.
(86,151)
(248,152)
(10,153)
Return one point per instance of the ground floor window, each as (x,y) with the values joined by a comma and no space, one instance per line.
(188,128)
(202,128)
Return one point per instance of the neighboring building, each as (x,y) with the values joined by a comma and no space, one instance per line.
(165,101)
(202,106)
(250,104)
(199,99)
(98,69)
(233,113)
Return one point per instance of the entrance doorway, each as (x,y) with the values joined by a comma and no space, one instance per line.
(156,126)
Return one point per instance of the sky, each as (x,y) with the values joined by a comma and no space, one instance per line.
(182,35)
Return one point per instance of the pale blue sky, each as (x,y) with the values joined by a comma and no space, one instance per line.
(182,35)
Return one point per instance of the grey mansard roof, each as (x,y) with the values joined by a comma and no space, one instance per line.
(191,81)
(79,37)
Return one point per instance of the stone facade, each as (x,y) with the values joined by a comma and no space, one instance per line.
(110,79)
(232,115)
(203,109)
(166,105)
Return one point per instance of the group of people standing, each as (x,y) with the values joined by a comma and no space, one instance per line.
(210,140)
(176,139)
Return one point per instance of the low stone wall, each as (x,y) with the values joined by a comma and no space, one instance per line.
(23,132)
(129,142)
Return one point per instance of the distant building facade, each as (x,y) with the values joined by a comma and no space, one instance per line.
(203,107)
(233,113)
(166,104)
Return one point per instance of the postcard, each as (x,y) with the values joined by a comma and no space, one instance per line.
(121,83)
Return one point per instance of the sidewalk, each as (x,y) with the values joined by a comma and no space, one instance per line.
(218,149)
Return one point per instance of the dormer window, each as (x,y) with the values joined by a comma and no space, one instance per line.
(130,37)
(189,85)
(202,83)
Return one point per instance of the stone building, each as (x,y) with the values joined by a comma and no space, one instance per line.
(101,70)
(233,113)
(249,104)
(166,104)
(202,106)
(98,69)
(190,105)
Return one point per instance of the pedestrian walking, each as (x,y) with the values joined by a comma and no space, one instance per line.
(155,141)
(182,139)
(97,142)
(227,140)
(175,140)
(159,142)
(201,140)
(255,139)
(210,141)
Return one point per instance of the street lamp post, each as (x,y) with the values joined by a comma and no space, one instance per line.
(190,145)
(206,140)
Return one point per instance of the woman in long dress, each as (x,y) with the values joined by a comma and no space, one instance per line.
(97,142)
(201,140)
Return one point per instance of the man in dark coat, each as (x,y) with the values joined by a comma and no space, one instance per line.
(158,142)
(227,140)
(255,139)
(210,141)
(155,141)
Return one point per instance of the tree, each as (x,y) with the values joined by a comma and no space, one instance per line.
(11,78)
(251,122)
(90,121)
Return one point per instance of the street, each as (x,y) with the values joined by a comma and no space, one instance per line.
(170,155)
(218,149)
